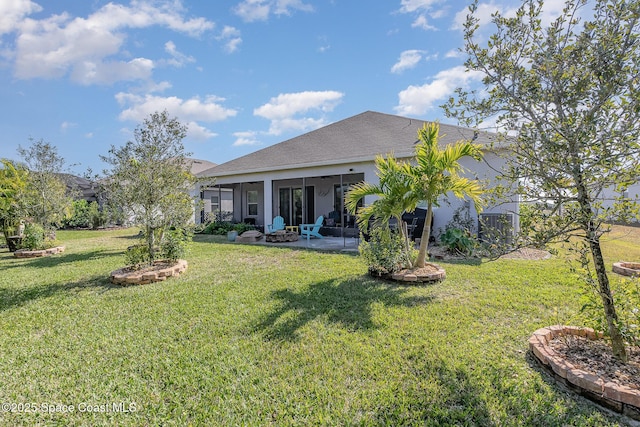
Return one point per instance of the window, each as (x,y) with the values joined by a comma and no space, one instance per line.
(215,203)
(252,202)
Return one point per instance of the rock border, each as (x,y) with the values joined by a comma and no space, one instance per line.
(408,276)
(25,253)
(137,277)
(616,397)
(631,269)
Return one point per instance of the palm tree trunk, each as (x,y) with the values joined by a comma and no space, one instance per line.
(426,235)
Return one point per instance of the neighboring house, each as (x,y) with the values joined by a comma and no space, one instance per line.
(306,176)
(610,197)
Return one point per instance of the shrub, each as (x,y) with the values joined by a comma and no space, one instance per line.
(80,215)
(458,241)
(97,217)
(33,237)
(174,244)
(384,251)
(627,297)
(137,255)
(241,227)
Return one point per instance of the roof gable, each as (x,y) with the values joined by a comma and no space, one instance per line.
(358,138)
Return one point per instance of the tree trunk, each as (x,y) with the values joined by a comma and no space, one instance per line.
(424,239)
(151,244)
(617,342)
(593,239)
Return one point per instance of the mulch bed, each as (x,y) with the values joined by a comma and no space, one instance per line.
(596,357)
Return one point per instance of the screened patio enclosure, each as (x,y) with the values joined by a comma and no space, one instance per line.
(297,200)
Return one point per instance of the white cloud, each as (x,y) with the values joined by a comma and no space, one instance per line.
(88,48)
(248,138)
(421,22)
(454,53)
(408,59)
(410,6)
(190,111)
(260,10)
(67,125)
(178,59)
(283,109)
(550,11)
(88,72)
(12,12)
(198,132)
(231,38)
(417,100)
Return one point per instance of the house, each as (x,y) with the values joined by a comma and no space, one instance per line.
(307,176)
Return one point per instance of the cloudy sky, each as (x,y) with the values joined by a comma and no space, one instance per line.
(242,74)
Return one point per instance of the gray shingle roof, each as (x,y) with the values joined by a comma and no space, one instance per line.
(355,139)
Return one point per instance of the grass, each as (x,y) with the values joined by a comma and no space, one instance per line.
(256,335)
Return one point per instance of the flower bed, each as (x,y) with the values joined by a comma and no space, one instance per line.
(24,253)
(429,273)
(631,269)
(618,397)
(159,271)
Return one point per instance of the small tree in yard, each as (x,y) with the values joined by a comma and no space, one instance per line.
(13,180)
(433,173)
(571,92)
(150,179)
(390,202)
(46,199)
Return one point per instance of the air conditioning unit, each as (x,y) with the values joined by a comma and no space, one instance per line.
(495,228)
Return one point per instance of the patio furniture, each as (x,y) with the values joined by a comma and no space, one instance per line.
(309,230)
(278,224)
(293,228)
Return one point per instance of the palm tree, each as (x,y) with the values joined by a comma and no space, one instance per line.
(435,174)
(391,201)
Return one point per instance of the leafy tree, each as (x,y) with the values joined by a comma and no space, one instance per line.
(150,178)
(571,92)
(436,174)
(46,198)
(13,180)
(390,199)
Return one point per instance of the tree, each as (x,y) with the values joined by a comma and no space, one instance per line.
(571,93)
(390,199)
(46,198)
(436,174)
(150,178)
(13,180)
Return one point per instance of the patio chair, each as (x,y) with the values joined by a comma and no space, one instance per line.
(309,230)
(278,224)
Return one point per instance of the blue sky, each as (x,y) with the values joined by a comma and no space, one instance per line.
(242,74)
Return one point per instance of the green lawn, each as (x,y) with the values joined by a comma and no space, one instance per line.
(256,335)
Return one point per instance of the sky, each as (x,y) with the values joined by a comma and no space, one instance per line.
(241,74)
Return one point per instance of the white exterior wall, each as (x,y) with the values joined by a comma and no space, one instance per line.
(485,170)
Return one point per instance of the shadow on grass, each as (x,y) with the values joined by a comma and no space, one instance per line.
(347,303)
(58,259)
(12,297)
(440,394)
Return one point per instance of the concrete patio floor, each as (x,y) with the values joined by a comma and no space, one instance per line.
(339,244)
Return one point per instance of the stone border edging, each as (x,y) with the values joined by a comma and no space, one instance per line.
(25,253)
(122,277)
(631,269)
(407,276)
(619,398)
